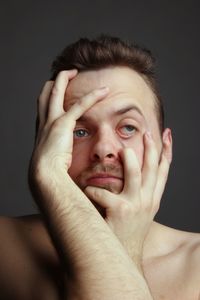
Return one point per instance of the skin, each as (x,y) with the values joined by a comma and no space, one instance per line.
(97,147)
(139,258)
(96,152)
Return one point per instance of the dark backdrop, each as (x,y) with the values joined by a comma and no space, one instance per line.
(33,32)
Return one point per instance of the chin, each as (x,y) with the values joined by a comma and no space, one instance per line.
(115,189)
(111,187)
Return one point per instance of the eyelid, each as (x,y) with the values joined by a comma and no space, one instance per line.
(126,123)
(128,120)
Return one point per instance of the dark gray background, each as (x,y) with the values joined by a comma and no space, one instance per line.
(32,33)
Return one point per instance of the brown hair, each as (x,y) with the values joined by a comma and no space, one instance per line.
(105,51)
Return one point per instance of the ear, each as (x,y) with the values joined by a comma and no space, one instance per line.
(167,143)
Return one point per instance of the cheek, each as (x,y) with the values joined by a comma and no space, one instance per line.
(80,160)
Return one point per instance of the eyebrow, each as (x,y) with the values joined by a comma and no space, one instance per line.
(119,112)
(127,109)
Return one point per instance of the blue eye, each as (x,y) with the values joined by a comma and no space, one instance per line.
(79,133)
(127,130)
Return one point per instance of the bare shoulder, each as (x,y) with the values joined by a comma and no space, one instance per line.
(192,252)
(174,267)
(191,262)
(24,231)
(186,259)
(189,242)
(27,258)
(187,245)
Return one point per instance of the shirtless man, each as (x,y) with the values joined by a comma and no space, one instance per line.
(97,173)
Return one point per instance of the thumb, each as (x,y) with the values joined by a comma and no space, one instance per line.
(99,195)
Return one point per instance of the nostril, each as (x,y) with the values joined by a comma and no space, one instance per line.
(99,157)
(96,156)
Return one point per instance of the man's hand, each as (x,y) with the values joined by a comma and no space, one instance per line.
(130,213)
(54,142)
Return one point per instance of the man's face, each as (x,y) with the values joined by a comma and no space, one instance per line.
(118,121)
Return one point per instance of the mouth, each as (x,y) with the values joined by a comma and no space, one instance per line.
(102,179)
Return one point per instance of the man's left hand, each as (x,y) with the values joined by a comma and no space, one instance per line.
(130,213)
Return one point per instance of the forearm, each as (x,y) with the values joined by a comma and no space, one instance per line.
(97,264)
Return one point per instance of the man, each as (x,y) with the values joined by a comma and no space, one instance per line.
(97,173)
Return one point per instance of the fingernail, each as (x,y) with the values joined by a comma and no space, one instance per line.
(148,135)
(166,140)
(168,137)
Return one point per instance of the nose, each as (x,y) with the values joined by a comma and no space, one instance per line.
(106,147)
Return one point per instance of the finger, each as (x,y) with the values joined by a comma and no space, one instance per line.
(150,165)
(62,129)
(58,93)
(163,172)
(42,104)
(132,173)
(68,120)
(101,196)
(42,109)
(86,102)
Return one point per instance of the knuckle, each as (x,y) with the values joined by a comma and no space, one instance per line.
(137,173)
(48,84)
(147,205)
(123,209)
(146,202)
(164,173)
(97,194)
(137,176)
(90,98)
(63,73)
(55,90)
(37,168)
(136,208)
(41,98)
(154,156)
(152,162)
(56,126)
(82,102)
(95,93)
(156,207)
(45,91)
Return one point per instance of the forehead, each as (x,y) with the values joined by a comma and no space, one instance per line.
(125,86)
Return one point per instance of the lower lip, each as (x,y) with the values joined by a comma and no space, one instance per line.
(102,180)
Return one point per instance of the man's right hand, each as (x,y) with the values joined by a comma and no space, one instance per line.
(52,154)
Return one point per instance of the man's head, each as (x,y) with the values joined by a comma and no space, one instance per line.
(106,51)
(131,108)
